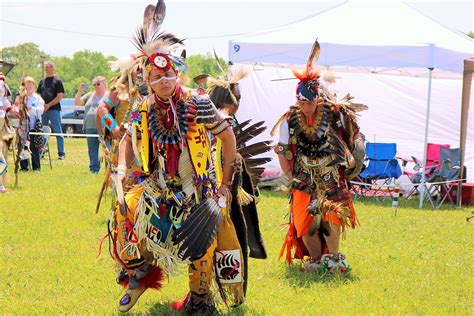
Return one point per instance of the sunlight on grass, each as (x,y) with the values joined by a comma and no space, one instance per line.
(418,262)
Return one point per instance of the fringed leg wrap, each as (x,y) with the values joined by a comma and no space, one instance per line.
(200,272)
(341,213)
(229,265)
(199,300)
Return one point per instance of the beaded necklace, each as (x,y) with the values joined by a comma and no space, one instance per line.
(168,130)
(163,129)
(311,140)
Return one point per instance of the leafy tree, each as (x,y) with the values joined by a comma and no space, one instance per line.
(84,66)
(202,64)
(28,60)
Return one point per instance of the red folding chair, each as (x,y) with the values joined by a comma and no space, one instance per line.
(432,164)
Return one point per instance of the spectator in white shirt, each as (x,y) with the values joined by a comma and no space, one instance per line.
(35,108)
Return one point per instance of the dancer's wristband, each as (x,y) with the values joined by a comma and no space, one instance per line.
(108,122)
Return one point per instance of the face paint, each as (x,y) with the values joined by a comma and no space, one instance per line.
(161,79)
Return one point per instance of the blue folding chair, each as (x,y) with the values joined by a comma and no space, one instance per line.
(382,165)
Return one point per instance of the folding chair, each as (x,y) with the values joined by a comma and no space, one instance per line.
(382,165)
(47,131)
(444,180)
(433,154)
(432,164)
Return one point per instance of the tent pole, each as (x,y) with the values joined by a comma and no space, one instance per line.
(466,93)
(422,186)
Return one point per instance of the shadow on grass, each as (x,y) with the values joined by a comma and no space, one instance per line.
(241,310)
(412,203)
(299,278)
(160,308)
(164,308)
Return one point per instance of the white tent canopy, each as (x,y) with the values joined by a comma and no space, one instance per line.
(366,43)
(397,108)
(360,34)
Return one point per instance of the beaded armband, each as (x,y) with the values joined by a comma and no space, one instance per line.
(111,103)
(108,122)
(221,126)
(283,149)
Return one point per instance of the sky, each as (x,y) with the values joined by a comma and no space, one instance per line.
(61,28)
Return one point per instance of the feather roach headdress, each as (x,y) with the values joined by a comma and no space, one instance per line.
(222,90)
(156,49)
(307,88)
(159,50)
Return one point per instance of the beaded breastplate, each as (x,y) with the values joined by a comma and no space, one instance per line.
(162,136)
(182,133)
(311,141)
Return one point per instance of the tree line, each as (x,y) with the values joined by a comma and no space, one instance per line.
(83,66)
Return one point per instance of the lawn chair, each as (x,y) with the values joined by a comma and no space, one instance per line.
(47,133)
(432,164)
(433,154)
(442,180)
(382,165)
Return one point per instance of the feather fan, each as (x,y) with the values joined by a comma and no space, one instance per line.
(199,230)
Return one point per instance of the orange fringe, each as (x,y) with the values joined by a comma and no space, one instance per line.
(292,242)
(307,74)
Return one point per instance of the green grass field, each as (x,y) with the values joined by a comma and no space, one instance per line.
(418,262)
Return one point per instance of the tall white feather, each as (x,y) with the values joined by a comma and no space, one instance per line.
(159,45)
